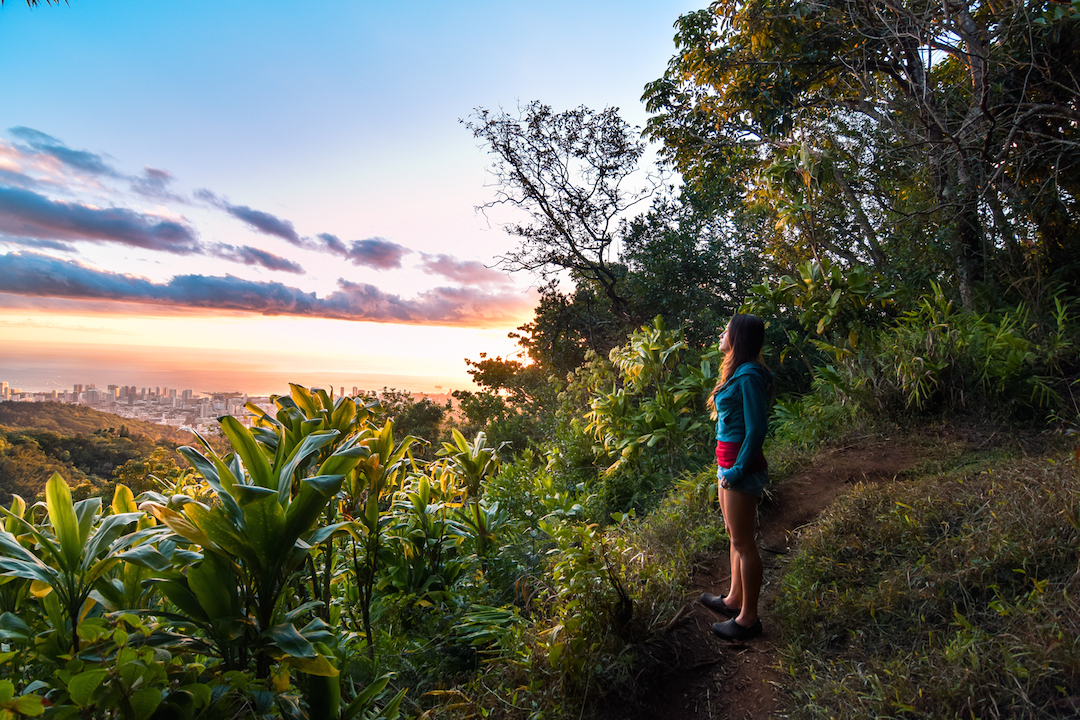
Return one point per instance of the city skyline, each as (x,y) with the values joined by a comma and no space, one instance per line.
(175,407)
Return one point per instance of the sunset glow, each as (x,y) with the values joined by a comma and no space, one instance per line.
(241,195)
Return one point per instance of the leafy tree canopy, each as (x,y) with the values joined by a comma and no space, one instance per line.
(923,138)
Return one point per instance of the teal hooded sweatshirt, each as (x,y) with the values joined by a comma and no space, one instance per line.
(742,410)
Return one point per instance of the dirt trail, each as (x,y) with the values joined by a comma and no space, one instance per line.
(715,680)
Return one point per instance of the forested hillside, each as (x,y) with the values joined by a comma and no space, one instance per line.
(86,446)
(82,420)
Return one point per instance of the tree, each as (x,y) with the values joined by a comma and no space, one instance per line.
(919,129)
(421,418)
(566,325)
(569,172)
(692,268)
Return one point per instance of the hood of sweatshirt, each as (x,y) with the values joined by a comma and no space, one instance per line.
(753,368)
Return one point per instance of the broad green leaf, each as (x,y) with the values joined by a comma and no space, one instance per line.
(391,710)
(86,511)
(199,691)
(260,414)
(343,461)
(304,511)
(265,529)
(18,509)
(62,516)
(83,686)
(344,413)
(312,443)
(289,640)
(211,472)
(221,531)
(320,535)
(366,697)
(30,571)
(325,403)
(146,556)
(267,437)
(246,494)
(371,514)
(303,399)
(123,500)
(179,524)
(7,690)
(109,594)
(317,665)
(93,629)
(144,702)
(180,595)
(10,545)
(108,531)
(213,581)
(30,705)
(12,623)
(244,444)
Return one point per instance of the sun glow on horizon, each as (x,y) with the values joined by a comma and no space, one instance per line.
(256,354)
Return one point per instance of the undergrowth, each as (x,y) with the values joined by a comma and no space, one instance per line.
(612,590)
(942,597)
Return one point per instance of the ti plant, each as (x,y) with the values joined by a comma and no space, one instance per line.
(69,558)
(369,491)
(472,462)
(248,544)
(299,414)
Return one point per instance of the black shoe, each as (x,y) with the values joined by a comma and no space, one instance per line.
(732,630)
(715,602)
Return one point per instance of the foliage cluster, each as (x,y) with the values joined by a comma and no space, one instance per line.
(868,367)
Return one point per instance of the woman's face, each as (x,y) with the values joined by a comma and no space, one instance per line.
(725,342)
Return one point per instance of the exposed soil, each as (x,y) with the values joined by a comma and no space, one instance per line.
(710,679)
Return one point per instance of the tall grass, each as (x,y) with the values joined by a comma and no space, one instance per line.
(943,597)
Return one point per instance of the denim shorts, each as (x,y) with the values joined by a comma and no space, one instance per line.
(751,483)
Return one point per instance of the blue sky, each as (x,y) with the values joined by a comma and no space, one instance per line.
(204,174)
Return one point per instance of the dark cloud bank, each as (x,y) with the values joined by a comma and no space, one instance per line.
(35,275)
(33,219)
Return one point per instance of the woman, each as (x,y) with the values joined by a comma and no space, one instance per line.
(740,401)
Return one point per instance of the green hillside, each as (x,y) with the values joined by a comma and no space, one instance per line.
(85,446)
(81,420)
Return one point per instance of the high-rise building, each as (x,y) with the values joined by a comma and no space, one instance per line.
(78,389)
(5,390)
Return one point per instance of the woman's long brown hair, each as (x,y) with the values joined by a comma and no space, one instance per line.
(746,337)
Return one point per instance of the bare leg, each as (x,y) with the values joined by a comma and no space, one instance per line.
(740,512)
(735,593)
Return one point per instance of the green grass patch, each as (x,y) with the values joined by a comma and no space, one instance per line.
(945,596)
